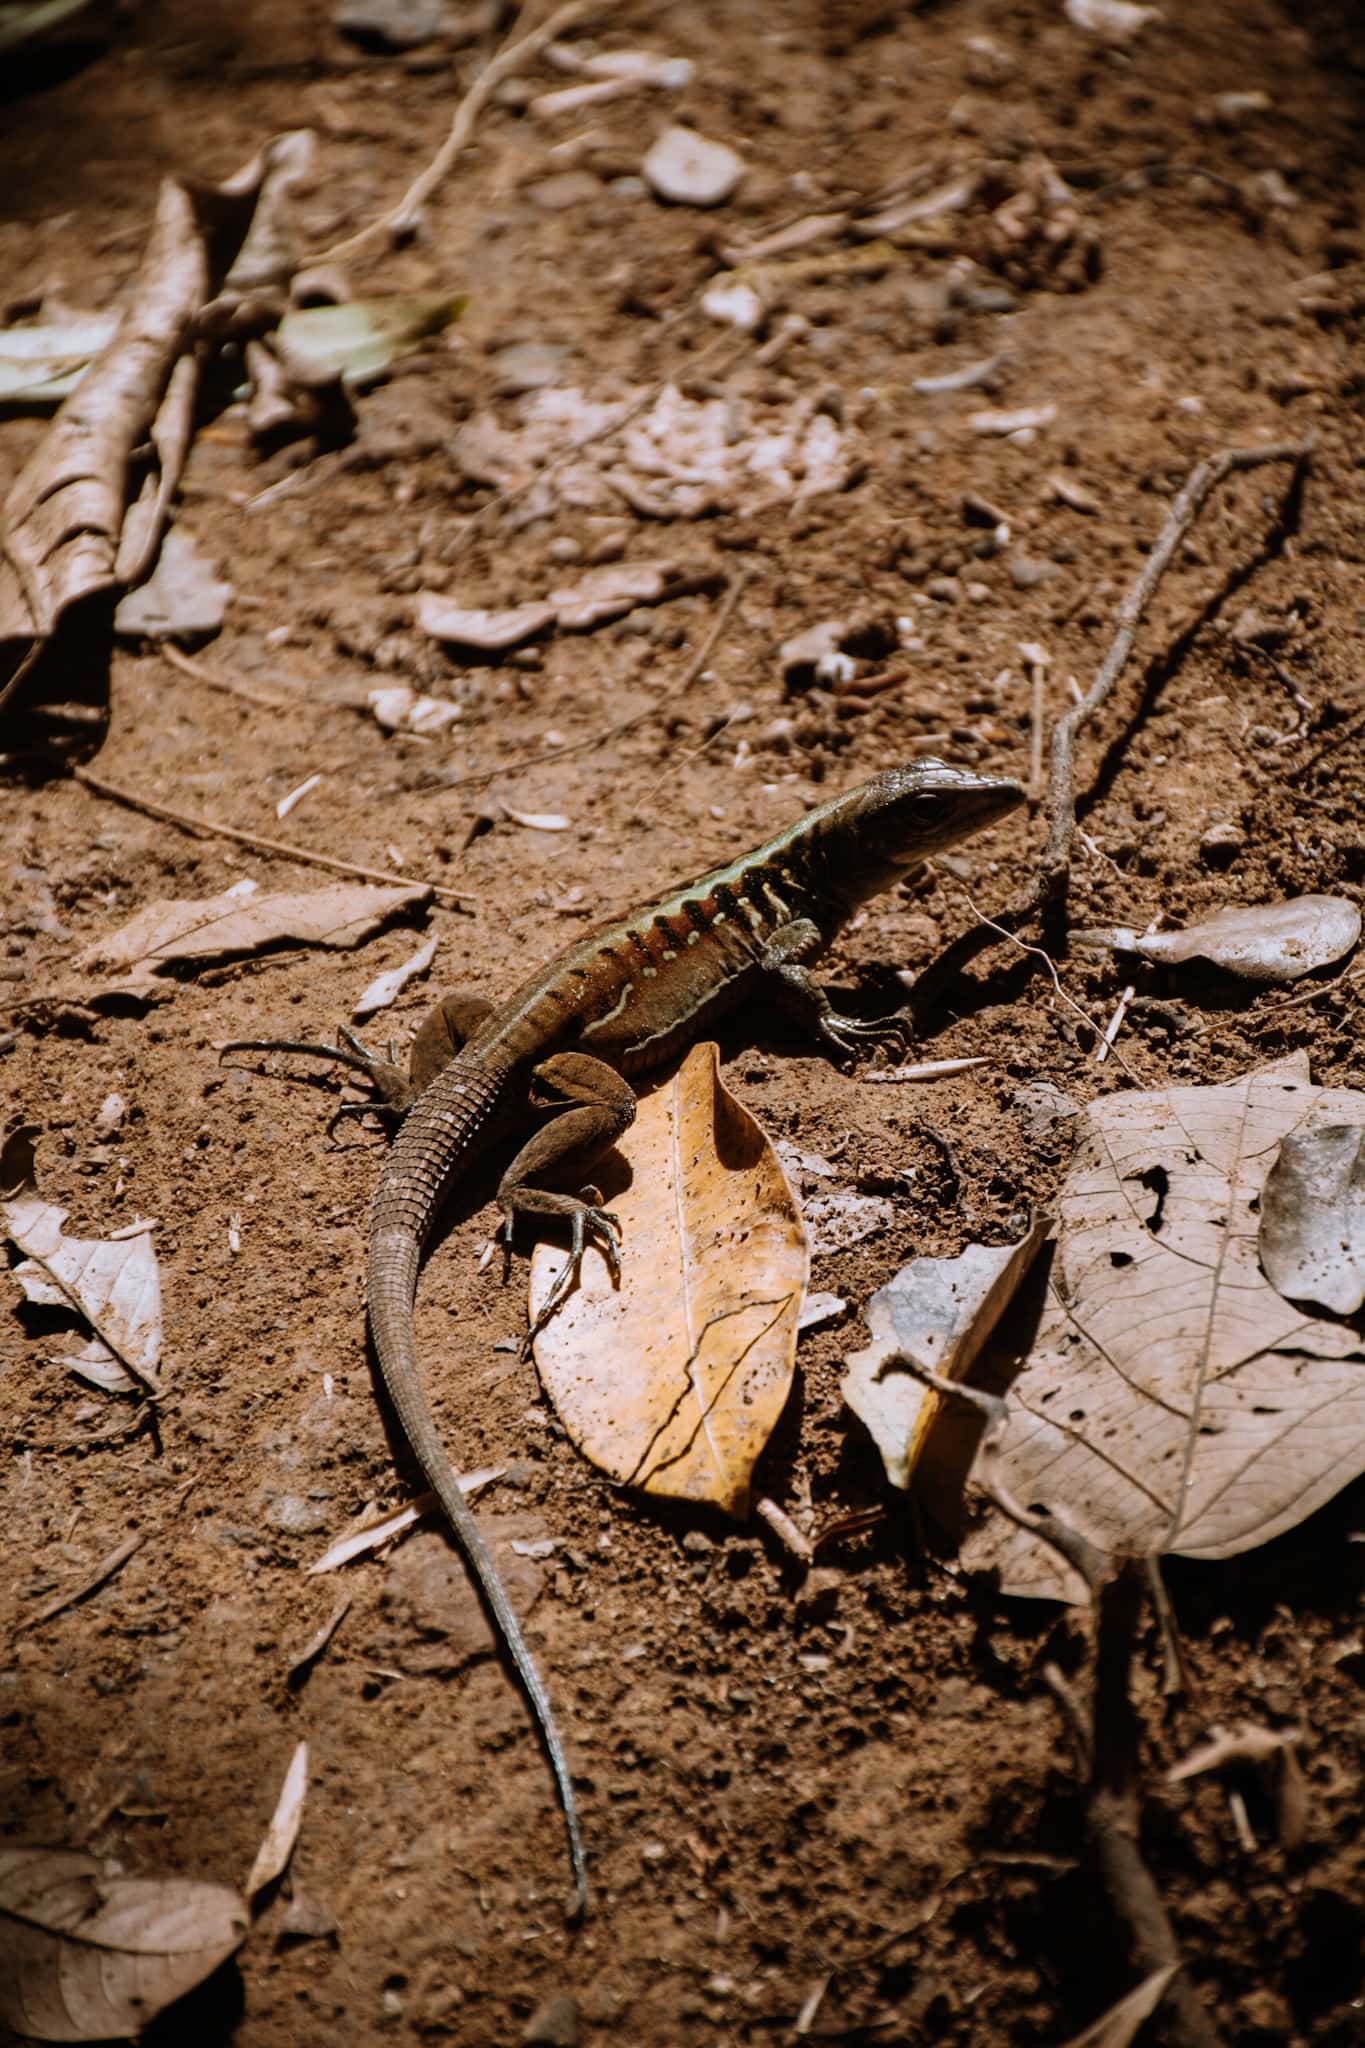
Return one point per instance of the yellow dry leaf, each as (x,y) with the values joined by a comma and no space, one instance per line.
(674,1381)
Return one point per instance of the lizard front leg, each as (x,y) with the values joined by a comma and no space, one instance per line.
(591,1107)
(801,995)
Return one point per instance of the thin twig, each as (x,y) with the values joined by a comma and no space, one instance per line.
(518,50)
(212,678)
(989,924)
(278,848)
(663,700)
(103,1571)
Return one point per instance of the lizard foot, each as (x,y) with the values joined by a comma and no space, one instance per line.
(392,1090)
(847,1037)
(585,1218)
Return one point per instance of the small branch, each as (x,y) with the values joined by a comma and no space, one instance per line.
(664,700)
(514,53)
(277,848)
(1001,931)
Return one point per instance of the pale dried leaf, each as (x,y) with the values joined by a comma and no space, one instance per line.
(182,599)
(277,1844)
(1172,1400)
(359,341)
(1262,942)
(491,631)
(212,927)
(88,1957)
(43,363)
(1313,1217)
(674,1381)
(387,987)
(536,821)
(114,1285)
(1118,2027)
(1246,1744)
(371,1532)
(937,1313)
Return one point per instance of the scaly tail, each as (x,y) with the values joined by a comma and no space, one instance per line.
(442,1133)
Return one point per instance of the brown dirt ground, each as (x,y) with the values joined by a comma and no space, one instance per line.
(774,1788)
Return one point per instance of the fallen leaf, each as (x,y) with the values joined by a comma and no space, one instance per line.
(536,821)
(371,1532)
(491,631)
(835,1222)
(182,599)
(1313,1217)
(1270,942)
(1119,2026)
(113,1284)
(85,514)
(44,362)
(674,1381)
(937,1313)
(90,1957)
(241,921)
(400,709)
(610,592)
(361,339)
(386,988)
(1172,1400)
(277,1845)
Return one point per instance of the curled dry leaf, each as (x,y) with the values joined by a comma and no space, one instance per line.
(386,988)
(1259,941)
(88,1957)
(937,1313)
(1313,1217)
(674,1381)
(43,363)
(113,1284)
(241,921)
(1172,1400)
(68,530)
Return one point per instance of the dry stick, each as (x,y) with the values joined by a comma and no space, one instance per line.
(513,54)
(103,1571)
(695,667)
(1002,931)
(1112,1804)
(278,848)
(202,673)
(1049,891)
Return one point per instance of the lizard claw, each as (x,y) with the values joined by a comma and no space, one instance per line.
(392,1089)
(606,1228)
(848,1036)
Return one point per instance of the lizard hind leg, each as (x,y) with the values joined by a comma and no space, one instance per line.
(592,1106)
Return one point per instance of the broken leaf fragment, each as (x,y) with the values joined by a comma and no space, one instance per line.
(674,1381)
(1172,1400)
(360,340)
(1313,1217)
(86,1956)
(937,1313)
(1270,942)
(241,921)
(111,1284)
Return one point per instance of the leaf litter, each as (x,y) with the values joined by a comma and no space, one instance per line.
(111,1284)
(1171,1399)
(1260,942)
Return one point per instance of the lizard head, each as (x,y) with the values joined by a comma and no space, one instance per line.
(906,815)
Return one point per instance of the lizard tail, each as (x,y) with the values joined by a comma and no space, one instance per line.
(419,1167)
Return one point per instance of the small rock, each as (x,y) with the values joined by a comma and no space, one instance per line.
(528,366)
(734,303)
(1028,571)
(1043,1108)
(1221,844)
(1231,109)
(943,589)
(554,2024)
(392,24)
(834,1222)
(113,1110)
(688,170)
(307,1919)
(297,1516)
(565,190)
(802,654)
(697,1543)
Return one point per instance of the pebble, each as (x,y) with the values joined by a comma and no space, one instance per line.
(1028,571)
(528,366)
(689,170)
(553,2024)
(565,190)
(1221,844)
(113,1110)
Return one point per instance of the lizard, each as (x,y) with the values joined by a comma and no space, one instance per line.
(566,1046)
